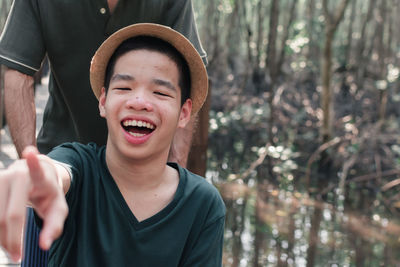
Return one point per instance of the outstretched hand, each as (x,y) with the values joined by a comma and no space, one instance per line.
(33,181)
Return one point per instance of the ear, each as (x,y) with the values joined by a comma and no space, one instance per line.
(102,102)
(185,114)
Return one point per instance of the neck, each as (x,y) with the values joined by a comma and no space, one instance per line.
(137,174)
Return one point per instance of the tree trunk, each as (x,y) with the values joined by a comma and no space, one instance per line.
(270,61)
(260,31)
(359,257)
(360,60)
(237,246)
(291,233)
(314,240)
(212,34)
(233,35)
(313,48)
(258,74)
(349,44)
(249,41)
(332,22)
(326,99)
(258,234)
(285,35)
(396,32)
(197,161)
(391,19)
(381,52)
(261,198)
(380,40)
(325,163)
(383,99)
(270,64)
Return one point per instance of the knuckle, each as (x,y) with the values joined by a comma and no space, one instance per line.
(63,212)
(65,209)
(57,230)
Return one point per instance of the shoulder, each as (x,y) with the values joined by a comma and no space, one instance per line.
(198,188)
(75,152)
(22,28)
(83,162)
(78,147)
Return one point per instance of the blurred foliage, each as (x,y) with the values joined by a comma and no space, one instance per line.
(275,151)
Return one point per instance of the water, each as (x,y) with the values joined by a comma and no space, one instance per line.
(270,227)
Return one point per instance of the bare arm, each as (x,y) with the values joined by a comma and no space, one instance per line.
(19,99)
(38,181)
(182,142)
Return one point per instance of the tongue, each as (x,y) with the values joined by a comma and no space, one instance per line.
(139,130)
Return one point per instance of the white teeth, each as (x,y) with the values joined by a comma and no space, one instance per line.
(138,123)
(136,134)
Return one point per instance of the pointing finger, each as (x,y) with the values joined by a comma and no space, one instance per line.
(35,169)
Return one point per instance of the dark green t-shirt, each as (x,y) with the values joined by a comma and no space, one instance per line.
(69,32)
(101,230)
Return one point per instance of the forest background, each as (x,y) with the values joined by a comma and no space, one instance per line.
(303,129)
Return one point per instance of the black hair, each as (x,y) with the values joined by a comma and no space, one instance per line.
(157,45)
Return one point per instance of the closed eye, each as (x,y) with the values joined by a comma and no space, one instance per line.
(122,88)
(161,94)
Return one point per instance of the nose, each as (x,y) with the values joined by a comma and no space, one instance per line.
(139,101)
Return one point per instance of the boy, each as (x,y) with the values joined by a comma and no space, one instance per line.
(127,206)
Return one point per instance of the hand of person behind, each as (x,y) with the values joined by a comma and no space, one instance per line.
(30,181)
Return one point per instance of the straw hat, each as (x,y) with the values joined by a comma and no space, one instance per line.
(198,73)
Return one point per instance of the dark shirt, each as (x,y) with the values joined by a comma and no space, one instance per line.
(101,230)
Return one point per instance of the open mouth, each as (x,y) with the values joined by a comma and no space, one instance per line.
(138,128)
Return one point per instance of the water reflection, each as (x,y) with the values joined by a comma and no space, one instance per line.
(270,227)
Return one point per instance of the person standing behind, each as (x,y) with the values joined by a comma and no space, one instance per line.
(69,32)
(122,204)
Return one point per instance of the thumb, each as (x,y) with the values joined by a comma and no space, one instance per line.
(53,224)
(31,153)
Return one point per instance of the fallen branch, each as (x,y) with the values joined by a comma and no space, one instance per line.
(314,156)
(390,185)
(255,164)
(364,178)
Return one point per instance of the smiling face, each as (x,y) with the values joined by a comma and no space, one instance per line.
(143,105)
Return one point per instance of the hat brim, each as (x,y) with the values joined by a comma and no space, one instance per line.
(198,73)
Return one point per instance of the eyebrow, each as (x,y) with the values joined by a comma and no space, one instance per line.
(123,77)
(165,83)
(127,77)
